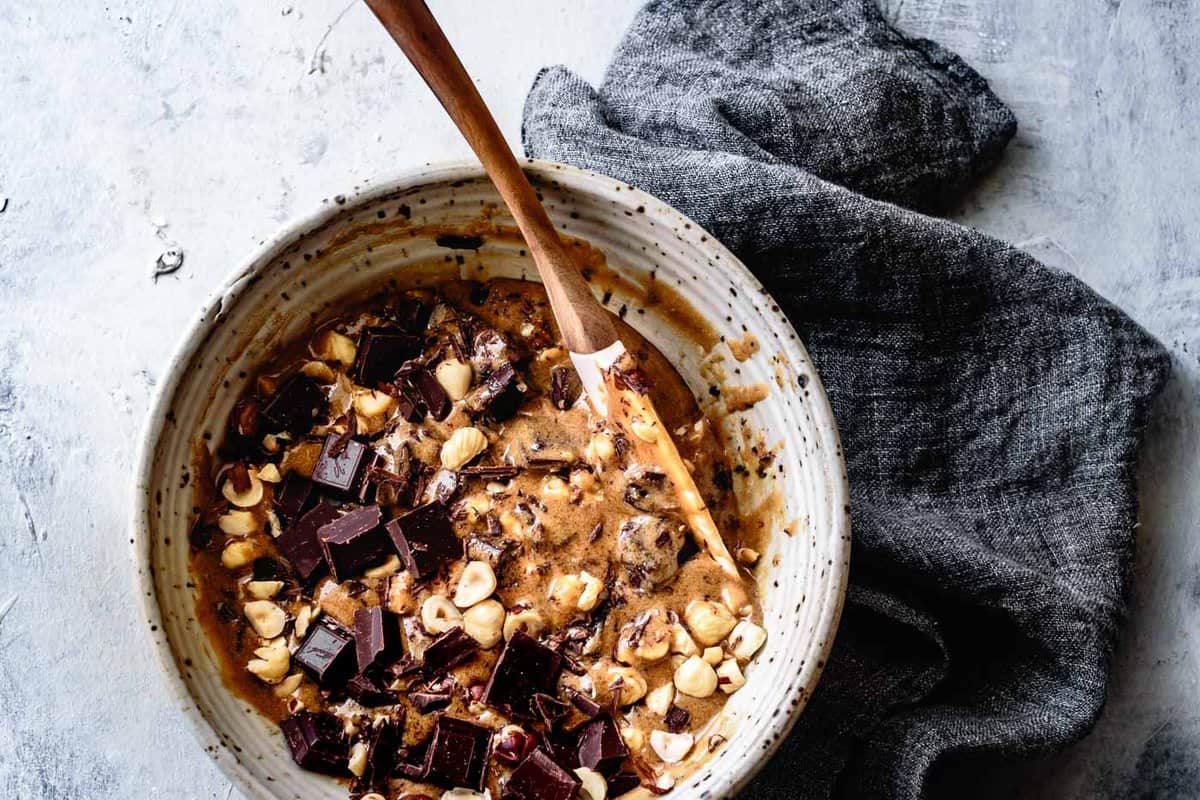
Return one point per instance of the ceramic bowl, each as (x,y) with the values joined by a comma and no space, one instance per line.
(374,234)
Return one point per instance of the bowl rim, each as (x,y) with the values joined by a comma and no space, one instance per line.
(262,255)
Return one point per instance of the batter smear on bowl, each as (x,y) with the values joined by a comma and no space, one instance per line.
(445,576)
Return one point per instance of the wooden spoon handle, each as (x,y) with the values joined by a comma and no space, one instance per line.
(583,322)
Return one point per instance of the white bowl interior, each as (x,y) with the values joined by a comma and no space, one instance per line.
(364,239)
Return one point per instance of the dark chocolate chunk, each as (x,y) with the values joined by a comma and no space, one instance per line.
(458,754)
(368,691)
(327,655)
(491,472)
(458,241)
(586,705)
(354,542)
(378,639)
(316,741)
(413,762)
(550,709)
(565,387)
(498,394)
(386,738)
(425,539)
(448,650)
(299,543)
(676,719)
(341,466)
(380,354)
(482,550)
(623,783)
(295,405)
(523,669)
(538,777)
(428,702)
(292,497)
(408,401)
(432,396)
(601,746)
(412,314)
(266,568)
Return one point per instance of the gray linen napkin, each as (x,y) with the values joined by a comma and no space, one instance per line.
(990,406)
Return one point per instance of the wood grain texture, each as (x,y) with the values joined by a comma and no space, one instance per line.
(583,322)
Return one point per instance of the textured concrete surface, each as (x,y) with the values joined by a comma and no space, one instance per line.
(132,128)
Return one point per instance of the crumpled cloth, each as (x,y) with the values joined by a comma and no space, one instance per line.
(990,407)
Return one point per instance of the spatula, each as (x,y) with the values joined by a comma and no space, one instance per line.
(613,384)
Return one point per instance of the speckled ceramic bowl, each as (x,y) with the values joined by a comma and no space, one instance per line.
(371,235)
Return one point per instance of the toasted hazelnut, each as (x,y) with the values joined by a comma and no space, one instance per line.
(708,622)
(484,622)
(455,378)
(735,599)
(238,523)
(746,640)
(400,598)
(671,747)
(643,429)
(457,793)
(593,587)
(748,556)
(329,345)
(660,698)
(389,567)
(583,479)
(462,446)
(288,685)
(319,371)
(304,616)
(682,642)
(247,499)
(269,473)
(439,615)
(628,683)
(373,404)
(358,759)
(729,676)
(600,449)
(263,590)
(475,585)
(592,785)
(644,639)
(266,618)
(695,678)
(529,621)
(239,553)
(512,526)
(554,490)
(713,655)
(511,744)
(301,459)
(566,590)
(635,740)
(271,664)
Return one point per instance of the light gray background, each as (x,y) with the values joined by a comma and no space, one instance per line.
(128,127)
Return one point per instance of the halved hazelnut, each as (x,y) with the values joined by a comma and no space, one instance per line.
(671,747)
(288,685)
(238,523)
(358,759)
(272,662)
(239,553)
(746,640)
(475,585)
(266,618)
(730,677)
(462,446)
(247,499)
(484,623)
(454,377)
(660,698)
(593,587)
(439,615)
(592,785)
(528,621)
(329,345)
(319,371)
(263,590)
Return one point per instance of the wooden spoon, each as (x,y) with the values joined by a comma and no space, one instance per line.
(609,375)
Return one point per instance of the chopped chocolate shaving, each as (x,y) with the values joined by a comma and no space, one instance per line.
(458,754)
(425,539)
(676,719)
(380,353)
(408,402)
(378,638)
(294,405)
(327,655)
(498,394)
(316,741)
(565,387)
(292,497)
(344,471)
(300,544)
(483,550)
(596,533)
(367,690)
(448,650)
(523,669)
(538,777)
(354,542)
(601,746)
(549,709)
(266,568)
(551,463)
(491,472)
(412,314)
(428,702)
(350,422)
